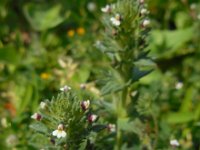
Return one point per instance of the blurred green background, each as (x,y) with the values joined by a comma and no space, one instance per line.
(47,44)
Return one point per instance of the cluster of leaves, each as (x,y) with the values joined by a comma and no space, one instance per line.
(66,110)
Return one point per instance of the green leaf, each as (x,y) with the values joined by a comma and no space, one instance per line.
(180,117)
(9,55)
(82,74)
(182,19)
(40,139)
(138,74)
(144,63)
(83,145)
(113,83)
(43,17)
(111,87)
(135,126)
(26,98)
(124,124)
(187,101)
(167,43)
(97,128)
(39,127)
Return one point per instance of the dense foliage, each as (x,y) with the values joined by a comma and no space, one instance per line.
(109,74)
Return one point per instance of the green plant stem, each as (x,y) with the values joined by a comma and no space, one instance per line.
(121,107)
(118,147)
(124,97)
(156,131)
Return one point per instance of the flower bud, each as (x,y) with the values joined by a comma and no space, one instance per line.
(85,105)
(145,23)
(65,88)
(92,118)
(43,105)
(36,116)
(83,86)
(143,11)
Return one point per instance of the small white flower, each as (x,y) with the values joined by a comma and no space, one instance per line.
(36,116)
(116,20)
(85,104)
(91,6)
(92,118)
(144,11)
(106,9)
(193,6)
(174,143)
(65,88)
(111,127)
(134,93)
(83,86)
(59,132)
(179,85)
(145,23)
(43,105)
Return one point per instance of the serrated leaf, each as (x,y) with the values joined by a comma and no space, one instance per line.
(98,128)
(111,87)
(113,83)
(145,63)
(135,126)
(39,127)
(124,124)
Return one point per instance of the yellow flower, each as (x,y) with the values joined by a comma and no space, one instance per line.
(45,76)
(71,33)
(80,31)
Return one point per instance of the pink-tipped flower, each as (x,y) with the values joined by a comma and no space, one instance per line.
(36,116)
(60,133)
(85,104)
(83,86)
(111,127)
(92,118)
(65,88)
